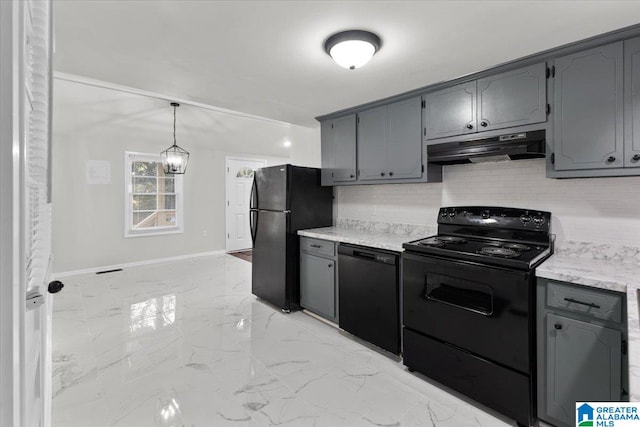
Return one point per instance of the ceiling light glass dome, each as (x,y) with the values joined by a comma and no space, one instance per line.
(352,49)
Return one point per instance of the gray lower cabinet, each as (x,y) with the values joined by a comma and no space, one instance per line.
(588,109)
(338,139)
(581,349)
(318,277)
(390,141)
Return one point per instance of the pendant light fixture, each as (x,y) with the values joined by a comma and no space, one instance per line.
(174,158)
(352,49)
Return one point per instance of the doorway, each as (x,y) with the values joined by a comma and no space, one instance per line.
(239,181)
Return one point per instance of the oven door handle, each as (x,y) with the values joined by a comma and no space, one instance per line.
(456,297)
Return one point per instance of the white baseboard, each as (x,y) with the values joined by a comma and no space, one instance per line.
(134,264)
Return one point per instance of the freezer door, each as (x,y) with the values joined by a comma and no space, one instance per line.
(269,265)
(270,189)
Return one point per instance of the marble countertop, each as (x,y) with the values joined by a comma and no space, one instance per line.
(604,267)
(589,272)
(373,239)
(373,234)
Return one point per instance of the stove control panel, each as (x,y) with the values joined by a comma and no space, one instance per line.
(498,217)
(538,220)
(447,212)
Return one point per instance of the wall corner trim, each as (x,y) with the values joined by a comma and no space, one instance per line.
(135,264)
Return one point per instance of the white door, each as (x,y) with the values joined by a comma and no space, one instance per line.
(239,182)
(25,215)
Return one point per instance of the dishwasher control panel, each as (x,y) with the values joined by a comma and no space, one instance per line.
(386,259)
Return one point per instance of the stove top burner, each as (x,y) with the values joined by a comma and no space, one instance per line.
(516,247)
(431,241)
(451,239)
(500,252)
(440,241)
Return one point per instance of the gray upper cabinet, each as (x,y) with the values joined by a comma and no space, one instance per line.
(404,148)
(390,141)
(372,142)
(326,152)
(588,109)
(583,363)
(451,111)
(632,102)
(514,98)
(341,148)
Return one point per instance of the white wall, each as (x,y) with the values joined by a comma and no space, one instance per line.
(603,210)
(307,151)
(95,123)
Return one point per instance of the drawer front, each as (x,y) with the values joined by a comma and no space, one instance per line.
(318,246)
(602,305)
(501,389)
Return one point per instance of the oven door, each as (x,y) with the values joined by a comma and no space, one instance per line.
(483,310)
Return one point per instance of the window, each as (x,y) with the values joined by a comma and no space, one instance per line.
(153,200)
(245,172)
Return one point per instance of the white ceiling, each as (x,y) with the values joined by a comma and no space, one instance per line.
(266,57)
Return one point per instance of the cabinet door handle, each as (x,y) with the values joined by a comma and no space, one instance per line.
(611,159)
(635,157)
(557,326)
(330,265)
(484,124)
(352,176)
(469,126)
(588,304)
(316,246)
(390,173)
(381,173)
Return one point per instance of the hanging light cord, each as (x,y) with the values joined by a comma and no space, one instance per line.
(174,125)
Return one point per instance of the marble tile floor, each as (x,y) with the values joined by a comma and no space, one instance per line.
(186,344)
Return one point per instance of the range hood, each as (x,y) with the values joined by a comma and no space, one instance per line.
(514,146)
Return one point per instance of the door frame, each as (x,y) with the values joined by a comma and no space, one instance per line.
(226,191)
(10,390)
(14,366)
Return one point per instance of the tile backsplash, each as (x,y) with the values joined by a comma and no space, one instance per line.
(605,210)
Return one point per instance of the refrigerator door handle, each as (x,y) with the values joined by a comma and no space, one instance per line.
(253,198)
(253,224)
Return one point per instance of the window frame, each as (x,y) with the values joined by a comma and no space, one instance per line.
(129,158)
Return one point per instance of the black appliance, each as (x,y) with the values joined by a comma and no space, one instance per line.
(469,305)
(369,295)
(514,146)
(284,199)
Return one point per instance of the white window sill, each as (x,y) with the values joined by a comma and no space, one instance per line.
(141,233)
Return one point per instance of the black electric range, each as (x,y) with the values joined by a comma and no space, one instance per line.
(469,306)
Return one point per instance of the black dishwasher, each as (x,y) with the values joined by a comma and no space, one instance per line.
(369,295)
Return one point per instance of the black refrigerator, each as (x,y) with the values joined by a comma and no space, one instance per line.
(284,199)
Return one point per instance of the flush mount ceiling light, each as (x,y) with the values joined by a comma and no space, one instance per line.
(174,158)
(352,49)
